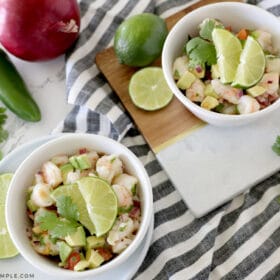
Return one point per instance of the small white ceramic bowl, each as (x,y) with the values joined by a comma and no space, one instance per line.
(18,221)
(234,14)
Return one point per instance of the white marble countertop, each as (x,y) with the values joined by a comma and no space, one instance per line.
(46,82)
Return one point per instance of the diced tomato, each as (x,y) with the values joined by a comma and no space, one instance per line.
(105,253)
(242,34)
(72,260)
(134,213)
(229,28)
(83,151)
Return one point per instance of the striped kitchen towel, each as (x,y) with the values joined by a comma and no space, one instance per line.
(241,239)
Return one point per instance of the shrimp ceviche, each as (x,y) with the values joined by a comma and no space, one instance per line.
(230,72)
(84,209)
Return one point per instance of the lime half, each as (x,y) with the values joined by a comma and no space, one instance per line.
(7,248)
(252,65)
(148,89)
(228,49)
(101,201)
(76,196)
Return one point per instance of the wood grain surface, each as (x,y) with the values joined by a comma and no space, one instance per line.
(160,128)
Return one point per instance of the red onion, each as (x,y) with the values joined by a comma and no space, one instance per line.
(38,29)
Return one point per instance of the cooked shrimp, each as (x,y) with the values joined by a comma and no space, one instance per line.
(51,174)
(122,229)
(196,91)
(93,157)
(44,245)
(121,245)
(72,177)
(270,81)
(265,40)
(109,166)
(127,181)
(248,104)
(226,92)
(60,160)
(124,196)
(41,195)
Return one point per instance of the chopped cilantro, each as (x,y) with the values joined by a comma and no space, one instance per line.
(201,52)
(207,26)
(276,146)
(66,208)
(57,227)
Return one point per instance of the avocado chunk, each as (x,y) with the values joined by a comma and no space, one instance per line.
(209,103)
(80,162)
(95,242)
(186,80)
(81,265)
(209,91)
(31,206)
(78,238)
(215,73)
(94,258)
(198,71)
(256,91)
(64,250)
(65,169)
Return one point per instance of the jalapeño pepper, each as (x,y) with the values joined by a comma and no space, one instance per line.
(14,93)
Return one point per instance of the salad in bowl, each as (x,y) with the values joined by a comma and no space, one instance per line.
(221,61)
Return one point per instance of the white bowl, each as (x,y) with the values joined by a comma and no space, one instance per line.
(234,14)
(17,220)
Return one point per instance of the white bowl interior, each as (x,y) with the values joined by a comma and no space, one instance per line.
(18,221)
(236,15)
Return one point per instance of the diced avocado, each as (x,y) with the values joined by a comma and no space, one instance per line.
(256,90)
(80,162)
(78,238)
(125,209)
(209,91)
(272,64)
(94,258)
(198,71)
(65,169)
(215,73)
(81,265)
(209,103)
(95,242)
(31,206)
(64,250)
(186,80)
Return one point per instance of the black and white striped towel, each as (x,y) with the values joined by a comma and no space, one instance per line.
(240,240)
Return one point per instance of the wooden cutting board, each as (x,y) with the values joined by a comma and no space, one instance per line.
(160,128)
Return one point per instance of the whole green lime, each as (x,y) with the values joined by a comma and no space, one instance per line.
(139,39)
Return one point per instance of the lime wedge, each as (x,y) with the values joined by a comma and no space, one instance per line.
(252,64)
(7,248)
(148,89)
(76,196)
(101,201)
(228,49)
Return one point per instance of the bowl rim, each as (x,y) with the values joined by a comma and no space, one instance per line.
(145,221)
(179,95)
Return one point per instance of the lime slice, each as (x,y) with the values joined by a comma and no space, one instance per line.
(148,89)
(228,49)
(102,204)
(252,64)
(7,248)
(76,196)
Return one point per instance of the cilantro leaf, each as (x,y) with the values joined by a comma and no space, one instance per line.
(63,228)
(66,208)
(207,26)
(57,227)
(201,52)
(276,146)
